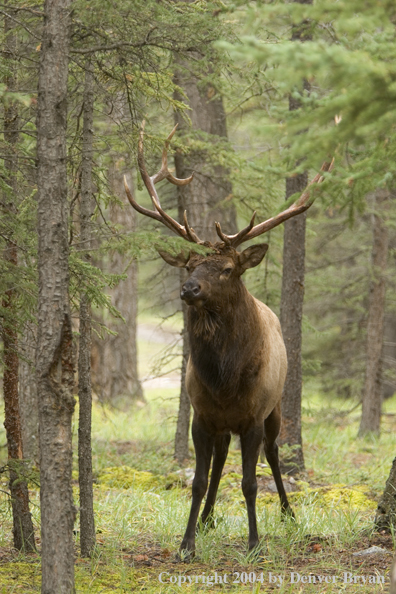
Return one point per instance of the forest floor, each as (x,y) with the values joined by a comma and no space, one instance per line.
(142,502)
(142,499)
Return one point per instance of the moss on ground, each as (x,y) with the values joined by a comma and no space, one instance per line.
(125,477)
(340,496)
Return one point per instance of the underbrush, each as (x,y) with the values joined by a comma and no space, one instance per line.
(142,501)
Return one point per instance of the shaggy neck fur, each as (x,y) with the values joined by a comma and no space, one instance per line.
(224,341)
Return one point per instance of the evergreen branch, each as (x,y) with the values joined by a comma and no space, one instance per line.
(107,48)
(12,156)
(239,106)
(37,13)
(9,240)
(18,22)
(104,218)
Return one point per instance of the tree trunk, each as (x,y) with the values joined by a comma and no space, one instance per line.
(372,390)
(389,352)
(54,363)
(28,403)
(206,198)
(22,522)
(124,379)
(205,201)
(291,309)
(385,518)
(87,520)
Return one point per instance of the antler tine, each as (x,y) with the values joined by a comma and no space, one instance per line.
(148,181)
(186,232)
(220,233)
(301,205)
(231,239)
(190,231)
(179,182)
(164,172)
(159,214)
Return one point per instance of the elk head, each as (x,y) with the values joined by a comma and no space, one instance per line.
(213,278)
(226,264)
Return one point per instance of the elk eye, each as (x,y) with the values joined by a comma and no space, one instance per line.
(227,271)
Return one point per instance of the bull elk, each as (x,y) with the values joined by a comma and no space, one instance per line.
(238,363)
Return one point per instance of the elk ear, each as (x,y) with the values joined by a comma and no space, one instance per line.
(179,261)
(252,256)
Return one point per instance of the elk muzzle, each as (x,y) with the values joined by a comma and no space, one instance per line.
(191,291)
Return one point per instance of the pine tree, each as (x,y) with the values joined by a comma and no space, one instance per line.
(55,364)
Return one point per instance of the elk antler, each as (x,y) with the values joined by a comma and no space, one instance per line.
(187,232)
(159,214)
(299,206)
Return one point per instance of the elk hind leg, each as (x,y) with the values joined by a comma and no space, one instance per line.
(203,444)
(271,431)
(220,451)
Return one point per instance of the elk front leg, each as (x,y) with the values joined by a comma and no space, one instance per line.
(250,444)
(220,452)
(203,444)
(271,432)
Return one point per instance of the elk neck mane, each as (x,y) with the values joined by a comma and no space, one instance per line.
(225,339)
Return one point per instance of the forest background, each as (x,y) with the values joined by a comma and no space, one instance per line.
(255,90)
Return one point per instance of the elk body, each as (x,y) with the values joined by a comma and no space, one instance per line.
(238,363)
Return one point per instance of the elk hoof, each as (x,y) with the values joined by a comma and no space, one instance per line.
(287,513)
(253,545)
(206,524)
(255,553)
(185,554)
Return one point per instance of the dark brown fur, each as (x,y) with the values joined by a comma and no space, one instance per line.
(223,344)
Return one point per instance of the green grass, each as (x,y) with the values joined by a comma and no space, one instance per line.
(142,504)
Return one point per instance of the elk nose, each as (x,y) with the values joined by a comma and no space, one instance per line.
(190,290)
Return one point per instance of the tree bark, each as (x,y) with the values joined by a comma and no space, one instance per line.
(385,518)
(87,520)
(291,308)
(372,391)
(28,403)
(22,521)
(205,200)
(291,311)
(23,532)
(54,363)
(124,379)
(389,352)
